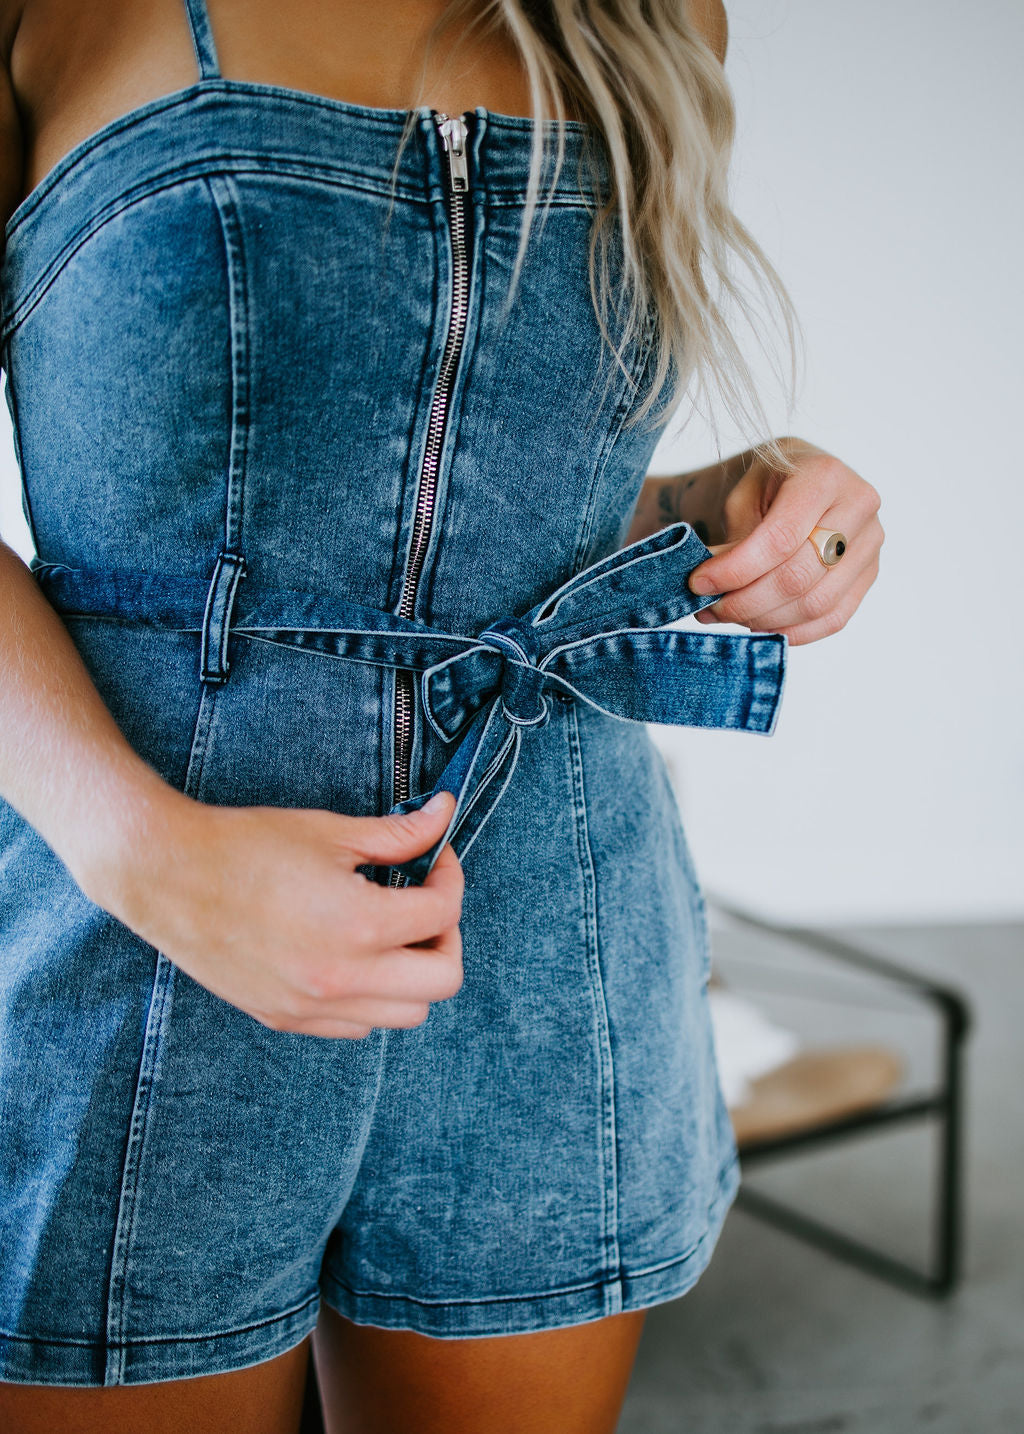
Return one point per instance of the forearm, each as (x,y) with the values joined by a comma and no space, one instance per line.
(64,763)
(696,497)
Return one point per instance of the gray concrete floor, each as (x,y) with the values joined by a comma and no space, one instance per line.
(778,1337)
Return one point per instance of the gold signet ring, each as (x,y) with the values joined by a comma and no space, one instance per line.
(828,545)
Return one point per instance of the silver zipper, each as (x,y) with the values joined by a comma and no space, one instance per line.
(452,134)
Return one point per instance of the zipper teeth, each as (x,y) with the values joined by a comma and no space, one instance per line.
(426,491)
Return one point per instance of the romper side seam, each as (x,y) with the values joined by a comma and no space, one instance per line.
(225,198)
(612,1290)
(157,1022)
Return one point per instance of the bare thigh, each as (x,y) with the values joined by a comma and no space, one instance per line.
(264,1399)
(560,1381)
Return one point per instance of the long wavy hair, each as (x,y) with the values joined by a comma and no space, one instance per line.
(646,80)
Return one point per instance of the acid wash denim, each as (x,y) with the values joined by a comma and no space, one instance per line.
(223,337)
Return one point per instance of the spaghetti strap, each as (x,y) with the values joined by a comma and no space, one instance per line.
(202,39)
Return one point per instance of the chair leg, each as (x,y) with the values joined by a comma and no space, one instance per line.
(942,1275)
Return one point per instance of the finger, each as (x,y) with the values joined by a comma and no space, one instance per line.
(799,506)
(409,977)
(317,1026)
(836,618)
(334,1030)
(370,1011)
(803,580)
(447,869)
(818,601)
(449,947)
(396,979)
(831,586)
(366,1017)
(399,836)
(422,973)
(407,915)
(447,883)
(779,586)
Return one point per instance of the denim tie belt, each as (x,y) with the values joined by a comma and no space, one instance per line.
(590,640)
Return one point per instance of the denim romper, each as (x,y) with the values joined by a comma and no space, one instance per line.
(331,527)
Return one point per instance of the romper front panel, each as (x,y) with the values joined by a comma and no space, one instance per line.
(223,333)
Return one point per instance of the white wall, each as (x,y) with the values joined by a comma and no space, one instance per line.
(13,528)
(879,162)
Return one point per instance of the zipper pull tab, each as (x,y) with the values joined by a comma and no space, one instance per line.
(453,137)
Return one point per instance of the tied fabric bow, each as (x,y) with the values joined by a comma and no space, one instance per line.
(591,640)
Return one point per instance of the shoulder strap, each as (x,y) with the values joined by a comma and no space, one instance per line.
(202,39)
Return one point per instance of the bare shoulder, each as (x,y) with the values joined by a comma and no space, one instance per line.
(709,17)
(10,122)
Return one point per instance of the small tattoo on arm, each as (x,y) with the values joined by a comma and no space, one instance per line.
(667,504)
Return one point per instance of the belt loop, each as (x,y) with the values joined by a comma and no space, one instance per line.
(220,599)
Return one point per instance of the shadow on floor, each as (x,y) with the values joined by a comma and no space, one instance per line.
(779,1338)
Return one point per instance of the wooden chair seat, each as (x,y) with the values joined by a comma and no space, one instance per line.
(815,1087)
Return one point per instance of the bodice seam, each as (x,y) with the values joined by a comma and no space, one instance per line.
(193,171)
(283,95)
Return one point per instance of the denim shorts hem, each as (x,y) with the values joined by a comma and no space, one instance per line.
(551,1309)
(28,1360)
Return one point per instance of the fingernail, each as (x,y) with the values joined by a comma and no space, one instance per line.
(701,584)
(436,802)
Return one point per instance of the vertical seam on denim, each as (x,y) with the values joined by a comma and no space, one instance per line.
(689,874)
(368,1124)
(609,1154)
(225,198)
(618,418)
(156,1025)
(701,918)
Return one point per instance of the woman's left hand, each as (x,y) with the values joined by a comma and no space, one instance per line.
(771,577)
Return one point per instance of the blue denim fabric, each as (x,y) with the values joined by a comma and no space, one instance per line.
(222,333)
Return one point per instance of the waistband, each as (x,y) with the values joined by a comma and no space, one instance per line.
(592,640)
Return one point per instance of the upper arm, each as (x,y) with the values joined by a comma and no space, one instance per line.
(708,16)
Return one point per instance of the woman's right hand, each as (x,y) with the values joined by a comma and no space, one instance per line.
(265,907)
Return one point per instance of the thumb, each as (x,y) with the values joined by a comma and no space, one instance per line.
(400,835)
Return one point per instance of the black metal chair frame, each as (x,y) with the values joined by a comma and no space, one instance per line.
(943,1104)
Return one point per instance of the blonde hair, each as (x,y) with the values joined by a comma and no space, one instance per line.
(645,78)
